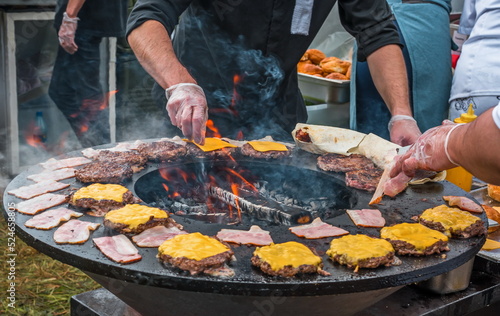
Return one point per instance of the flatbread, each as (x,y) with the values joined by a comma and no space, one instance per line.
(379,150)
(328,139)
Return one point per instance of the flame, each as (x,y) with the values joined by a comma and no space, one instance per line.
(234,189)
(240,135)
(236,96)
(213,131)
(245,181)
(30,138)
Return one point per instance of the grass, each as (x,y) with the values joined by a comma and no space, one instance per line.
(43,286)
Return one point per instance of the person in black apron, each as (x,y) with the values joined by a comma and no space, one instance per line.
(75,84)
(238,59)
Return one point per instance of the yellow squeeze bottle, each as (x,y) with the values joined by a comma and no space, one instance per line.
(458,175)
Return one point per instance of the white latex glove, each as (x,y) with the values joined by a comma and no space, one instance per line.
(404,130)
(67,33)
(429,152)
(188,110)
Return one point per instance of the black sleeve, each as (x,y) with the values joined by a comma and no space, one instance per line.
(370,22)
(166,12)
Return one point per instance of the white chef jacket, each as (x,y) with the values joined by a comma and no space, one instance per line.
(478,69)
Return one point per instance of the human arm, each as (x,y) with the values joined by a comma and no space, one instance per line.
(186,106)
(390,79)
(69,25)
(474,146)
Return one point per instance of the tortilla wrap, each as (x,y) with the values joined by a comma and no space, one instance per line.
(328,139)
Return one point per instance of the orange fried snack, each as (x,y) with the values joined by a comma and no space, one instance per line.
(309,68)
(315,55)
(334,64)
(337,76)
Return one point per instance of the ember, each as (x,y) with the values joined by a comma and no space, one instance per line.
(268,192)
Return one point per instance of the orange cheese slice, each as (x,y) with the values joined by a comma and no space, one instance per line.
(491,244)
(212,144)
(267,146)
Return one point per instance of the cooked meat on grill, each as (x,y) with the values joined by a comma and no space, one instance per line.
(51,218)
(195,253)
(162,151)
(415,239)
(453,222)
(74,232)
(287,259)
(303,136)
(136,218)
(463,203)
(102,198)
(342,163)
(41,203)
(223,153)
(118,248)
(104,172)
(361,251)
(364,179)
(134,159)
(249,151)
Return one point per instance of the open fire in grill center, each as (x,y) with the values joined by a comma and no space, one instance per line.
(239,192)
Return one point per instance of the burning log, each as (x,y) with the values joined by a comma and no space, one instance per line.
(262,208)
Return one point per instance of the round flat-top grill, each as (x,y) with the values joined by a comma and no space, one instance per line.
(149,286)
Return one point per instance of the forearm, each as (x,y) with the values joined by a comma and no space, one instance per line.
(153,48)
(389,75)
(74,7)
(476,147)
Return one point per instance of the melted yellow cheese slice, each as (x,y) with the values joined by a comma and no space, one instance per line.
(193,246)
(134,215)
(99,191)
(212,144)
(289,253)
(354,248)
(451,218)
(416,234)
(267,146)
(491,244)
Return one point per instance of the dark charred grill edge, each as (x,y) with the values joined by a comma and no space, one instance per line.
(405,248)
(287,271)
(195,266)
(275,213)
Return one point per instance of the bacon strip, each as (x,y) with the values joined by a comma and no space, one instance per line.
(55,175)
(318,229)
(40,203)
(51,218)
(74,232)
(30,191)
(367,217)
(255,236)
(54,164)
(118,248)
(91,152)
(463,203)
(155,236)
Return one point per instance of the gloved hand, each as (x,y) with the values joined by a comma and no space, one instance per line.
(188,110)
(403,130)
(67,33)
(429,152)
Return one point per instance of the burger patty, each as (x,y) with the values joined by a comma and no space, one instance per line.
(364,179)
(198,266)
(101,207)
(135,159)
(406,248)
(373,262)
(249,151)
(125,229)
(162,151)
(286,271)
(222,153)
(476,229)
(341,163)
(104,172)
